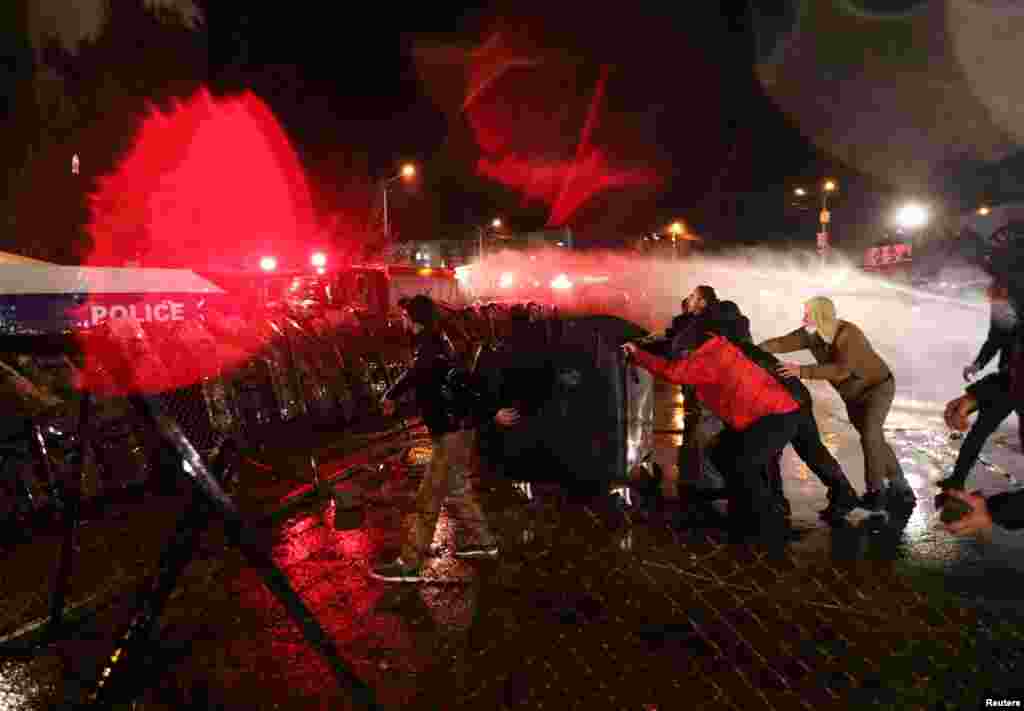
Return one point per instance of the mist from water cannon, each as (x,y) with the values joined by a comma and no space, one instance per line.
(924,336)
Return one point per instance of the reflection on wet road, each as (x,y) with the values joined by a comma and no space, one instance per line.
(588,606)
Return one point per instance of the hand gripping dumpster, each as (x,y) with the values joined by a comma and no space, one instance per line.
(587,415)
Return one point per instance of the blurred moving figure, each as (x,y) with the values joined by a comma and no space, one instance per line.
(451,408)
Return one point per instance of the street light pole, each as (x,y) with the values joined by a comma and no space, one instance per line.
(495,224)
(676,229)
(408,172)
(825,219)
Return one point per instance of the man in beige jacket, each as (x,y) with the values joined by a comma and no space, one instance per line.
(860,376)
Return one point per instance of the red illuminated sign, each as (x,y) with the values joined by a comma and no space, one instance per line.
(887,254)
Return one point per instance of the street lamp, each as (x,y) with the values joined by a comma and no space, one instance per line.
(984,210)
(495,225)
(677,229)
(800,192)
(407,173)
(912,216)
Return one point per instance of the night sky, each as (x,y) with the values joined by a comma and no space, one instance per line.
(617,119)
(681,99)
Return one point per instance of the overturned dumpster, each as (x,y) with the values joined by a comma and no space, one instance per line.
(587,414)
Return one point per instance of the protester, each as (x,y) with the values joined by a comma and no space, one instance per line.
(450,407)
(730,322)
(991,398)
(990,395)
(865,383)
(1001,331)
(1006,509)
(1003,258)
(698,308)
(763,411)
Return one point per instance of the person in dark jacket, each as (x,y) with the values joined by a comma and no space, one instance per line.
(1001,329)
(991,394)
(763,412)
(698,307)
(1004,260)
(450,406)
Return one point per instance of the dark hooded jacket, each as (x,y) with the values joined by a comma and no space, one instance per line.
(727,320)
(449,398)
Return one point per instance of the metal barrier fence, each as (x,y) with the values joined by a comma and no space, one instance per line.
(327,367)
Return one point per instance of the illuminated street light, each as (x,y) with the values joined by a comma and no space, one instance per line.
(407,173)
(830,186)
(495,224)
(800,192)
(984,210)
(676,229)
(319,260)
(268,264)
(912,216)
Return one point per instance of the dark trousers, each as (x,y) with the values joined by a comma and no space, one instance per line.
(742,457)
(812,451)
(989,419)
(746,456)
(867,415)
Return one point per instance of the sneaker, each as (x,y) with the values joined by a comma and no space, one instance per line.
(489,550)
(873,500)
(398,571)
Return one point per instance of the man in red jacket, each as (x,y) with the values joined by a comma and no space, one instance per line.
(763,412)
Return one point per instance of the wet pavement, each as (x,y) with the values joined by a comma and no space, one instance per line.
(588,605)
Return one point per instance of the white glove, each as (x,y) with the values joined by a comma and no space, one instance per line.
(970,371)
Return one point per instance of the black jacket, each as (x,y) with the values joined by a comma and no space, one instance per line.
(448,398)
(728,321)
(1001,332)
(723,318)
